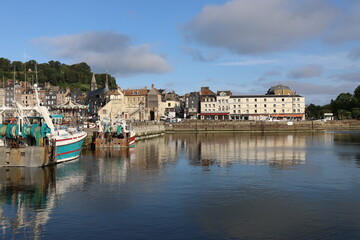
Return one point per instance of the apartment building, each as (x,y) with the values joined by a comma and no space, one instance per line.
(280,102)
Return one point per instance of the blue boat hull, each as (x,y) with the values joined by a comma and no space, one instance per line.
(69,152)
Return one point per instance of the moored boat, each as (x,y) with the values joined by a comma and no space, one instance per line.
(32,139)
(116,134)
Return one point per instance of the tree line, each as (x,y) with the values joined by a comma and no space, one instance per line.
(77,75)
(345,106)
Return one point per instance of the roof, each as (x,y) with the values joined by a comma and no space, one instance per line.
(263,96)
(100,91)
(206,91)
(114,92)
(278,87)
(136,92)
(70,105)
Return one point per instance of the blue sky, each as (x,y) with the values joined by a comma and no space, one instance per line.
(246,46)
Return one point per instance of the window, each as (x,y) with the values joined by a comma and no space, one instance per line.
(205,105)
(234,111)
(169,104)
(239,111)
(239,100)
(255,111)
(274,105)
(255,105)
(213,105)
(274,99)
(264,105)
(104,111)
(283,99)
(274,110)
(255,100)
(283,110)
(247,100)
(264,99)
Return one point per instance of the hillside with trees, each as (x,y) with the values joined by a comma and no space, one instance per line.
(345,106)
(78,75)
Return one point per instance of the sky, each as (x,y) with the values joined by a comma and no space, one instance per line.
(246,46)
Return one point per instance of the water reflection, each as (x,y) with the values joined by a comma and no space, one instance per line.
(27,197)
(162,185)
(249,149)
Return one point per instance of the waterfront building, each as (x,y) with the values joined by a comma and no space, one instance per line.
(2,94)
(136,104)
(280,102)
(9,94)
(192,105)
(209,106)
(61,96)
(171,104)
(115,106)
(27,98)
(154,104)
(50,98)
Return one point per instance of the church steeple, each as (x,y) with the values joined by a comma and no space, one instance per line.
(106,81)
(93,85)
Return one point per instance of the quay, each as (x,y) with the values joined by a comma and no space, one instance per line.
(153,129)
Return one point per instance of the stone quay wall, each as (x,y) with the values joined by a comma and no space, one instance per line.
(152,129)
(148,129)
(244,126)
(343,125)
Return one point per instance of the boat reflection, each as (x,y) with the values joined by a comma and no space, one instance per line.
(28,196)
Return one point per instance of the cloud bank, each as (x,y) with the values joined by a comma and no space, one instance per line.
(105,50)
(253,27)
(308,71)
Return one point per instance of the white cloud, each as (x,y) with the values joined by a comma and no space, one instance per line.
(105,50)
(251,27)
(308,71)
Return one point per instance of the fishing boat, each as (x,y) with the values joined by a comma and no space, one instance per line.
(113,134)
(32,139)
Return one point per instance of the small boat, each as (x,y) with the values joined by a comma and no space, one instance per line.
(33,140)
(115,134)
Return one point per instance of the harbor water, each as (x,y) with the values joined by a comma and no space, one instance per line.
(193,186)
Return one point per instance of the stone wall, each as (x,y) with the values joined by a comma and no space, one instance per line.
(345,125)
(247,126)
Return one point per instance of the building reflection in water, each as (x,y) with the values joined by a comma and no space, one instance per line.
(28,196)
(250,149)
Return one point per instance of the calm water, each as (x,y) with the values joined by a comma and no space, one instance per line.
(187,186)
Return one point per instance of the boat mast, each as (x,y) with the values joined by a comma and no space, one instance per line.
(14,86)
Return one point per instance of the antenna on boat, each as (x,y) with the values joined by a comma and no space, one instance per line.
(25,77)
(36,75)
(14,85)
